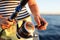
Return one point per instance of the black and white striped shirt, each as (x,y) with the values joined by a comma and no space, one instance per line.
(8,7)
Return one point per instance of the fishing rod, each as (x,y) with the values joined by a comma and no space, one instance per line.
(18,8)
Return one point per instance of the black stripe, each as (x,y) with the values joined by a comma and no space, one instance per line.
(8,2)
(23,17)
(22,12)
(11,7)
(7,7)
(17,15)
(2,8)
(6,13)
(6,10)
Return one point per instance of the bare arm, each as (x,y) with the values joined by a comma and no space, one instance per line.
(36,13)
(33,7)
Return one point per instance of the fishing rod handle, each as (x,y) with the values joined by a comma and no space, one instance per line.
(18,9)
(42,24)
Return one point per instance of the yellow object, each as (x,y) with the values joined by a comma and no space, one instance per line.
(11,32)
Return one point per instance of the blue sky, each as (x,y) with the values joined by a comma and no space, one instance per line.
(48,6)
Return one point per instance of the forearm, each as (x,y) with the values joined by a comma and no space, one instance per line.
(34,9)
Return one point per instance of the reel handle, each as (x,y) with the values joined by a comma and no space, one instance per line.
(42,24)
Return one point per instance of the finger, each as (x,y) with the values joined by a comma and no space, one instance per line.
(37,21)
(4,26)
(12,22)
(0,16)
(43,27)
(42,19)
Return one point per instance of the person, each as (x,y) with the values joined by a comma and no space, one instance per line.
(7,7)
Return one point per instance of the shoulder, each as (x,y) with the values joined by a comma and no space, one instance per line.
(32,2)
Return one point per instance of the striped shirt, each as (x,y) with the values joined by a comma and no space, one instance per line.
(8,7)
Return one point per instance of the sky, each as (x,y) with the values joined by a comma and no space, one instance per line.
(48,6)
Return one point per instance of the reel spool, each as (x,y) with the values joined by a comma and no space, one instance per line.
(26,30)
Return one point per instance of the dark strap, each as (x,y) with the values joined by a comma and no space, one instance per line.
(1,32)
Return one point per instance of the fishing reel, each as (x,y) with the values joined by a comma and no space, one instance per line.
(26,30)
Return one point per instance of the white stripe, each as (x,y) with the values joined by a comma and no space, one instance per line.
(22,11)
(23,8)
(2,8)
(11,11)
(22,14)
(3,12)
(6,12)
(11,8)
(22,17)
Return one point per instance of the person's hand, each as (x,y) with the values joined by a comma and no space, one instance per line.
(41,22)
(5,23)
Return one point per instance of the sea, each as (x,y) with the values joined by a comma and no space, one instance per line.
(53,29)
